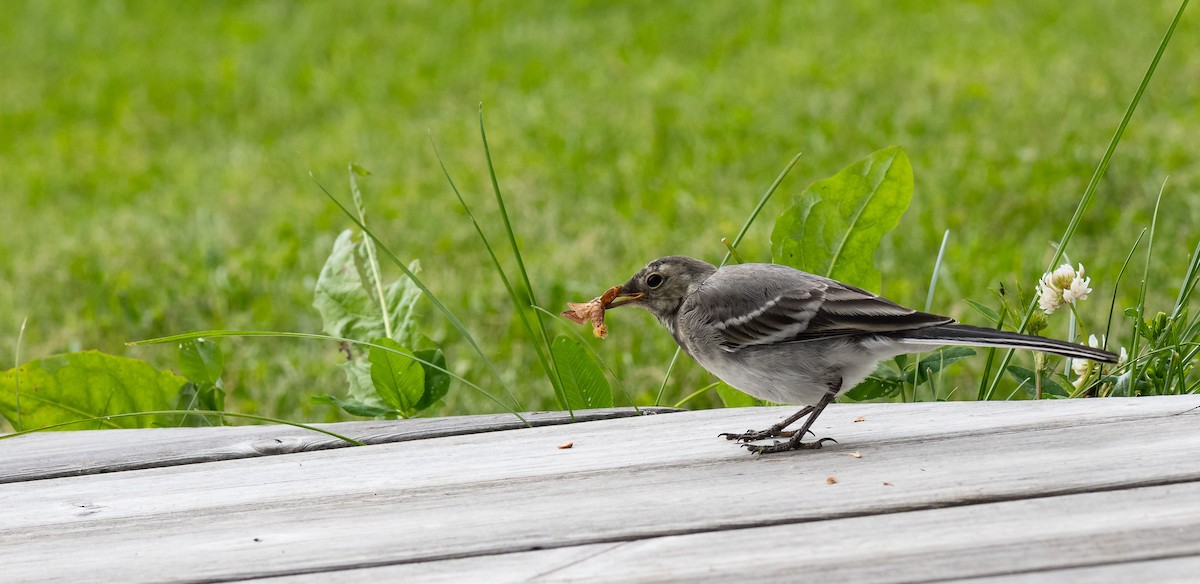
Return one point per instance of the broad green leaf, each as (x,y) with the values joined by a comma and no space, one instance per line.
(348,301)
(732,397)
(985,310)
(437,382)
(76,386)
(358,378)
(873,388)
(1028,380)
(401,297)
(1121,384)
(399,380)
(933,362)
(193,396)
(834,227)
(583,381)
(201,361)
(345,295)
(884,382)
(356,408)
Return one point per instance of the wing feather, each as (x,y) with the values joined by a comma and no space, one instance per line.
(792,306)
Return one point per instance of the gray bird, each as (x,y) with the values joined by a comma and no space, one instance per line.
(787,336)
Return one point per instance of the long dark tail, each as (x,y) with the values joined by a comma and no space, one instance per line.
(965,334)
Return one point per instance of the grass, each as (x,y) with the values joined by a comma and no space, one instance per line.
(156,158)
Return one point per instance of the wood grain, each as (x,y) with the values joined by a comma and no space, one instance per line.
(946,490)
(1041,539)
(61,454)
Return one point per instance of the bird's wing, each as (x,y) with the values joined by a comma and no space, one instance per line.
(765,310)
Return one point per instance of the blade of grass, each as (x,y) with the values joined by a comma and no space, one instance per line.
(762,202)
(991,358)
(732,250)
(1188,285)
(1177,351)
(937,270)
(1090,192)
(222,414)
(1112,307)
(692,395)
(17,368)
(1141,302)
(551,372)
(437,303)
(320,337)
(933,279)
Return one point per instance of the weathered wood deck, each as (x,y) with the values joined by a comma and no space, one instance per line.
(1069,491)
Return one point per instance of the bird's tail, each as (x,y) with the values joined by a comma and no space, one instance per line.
(965,334)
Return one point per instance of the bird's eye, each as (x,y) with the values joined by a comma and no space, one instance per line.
(654,280)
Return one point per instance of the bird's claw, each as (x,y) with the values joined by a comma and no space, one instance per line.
(755,435)
(778,446)
(748,435)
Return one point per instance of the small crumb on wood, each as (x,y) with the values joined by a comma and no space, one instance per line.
(887,484)
(856,454)
(566,446)
(830,480)
(860,419)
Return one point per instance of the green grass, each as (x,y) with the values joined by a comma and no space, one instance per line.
(155,158)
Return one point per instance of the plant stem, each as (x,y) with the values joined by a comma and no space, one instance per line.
(373,262)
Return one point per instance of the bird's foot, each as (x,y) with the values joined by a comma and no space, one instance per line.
(753,435)
(785,446)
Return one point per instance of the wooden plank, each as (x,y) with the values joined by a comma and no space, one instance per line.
(1182,570)
(1057,539)
(625,480)
(62,454)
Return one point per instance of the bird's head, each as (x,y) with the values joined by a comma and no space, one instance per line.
(663,284)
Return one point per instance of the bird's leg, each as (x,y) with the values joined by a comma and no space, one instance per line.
(796,443)
(773,432)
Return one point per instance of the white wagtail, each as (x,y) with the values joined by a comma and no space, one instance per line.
(787,336)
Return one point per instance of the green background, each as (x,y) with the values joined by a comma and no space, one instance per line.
(154,159)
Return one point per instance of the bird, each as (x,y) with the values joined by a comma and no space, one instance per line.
(788,336)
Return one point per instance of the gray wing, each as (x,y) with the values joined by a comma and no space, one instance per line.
(761,304)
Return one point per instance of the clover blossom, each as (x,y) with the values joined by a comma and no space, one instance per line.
(1083,368)
(1062,286)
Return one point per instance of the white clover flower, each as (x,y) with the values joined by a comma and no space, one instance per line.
(1084,367)
(1079,289)
(1062,286)
(1081,367)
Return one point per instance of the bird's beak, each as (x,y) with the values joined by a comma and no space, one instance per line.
(625,297)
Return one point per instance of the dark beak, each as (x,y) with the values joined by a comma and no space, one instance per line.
(628,294)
